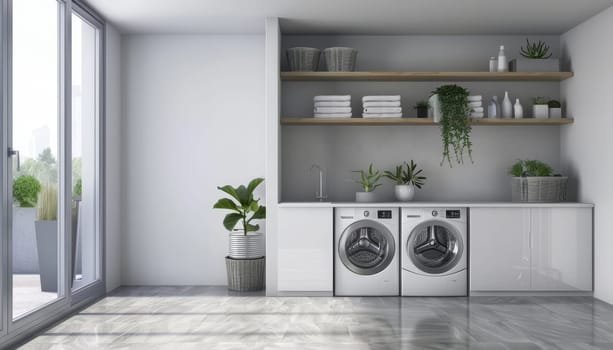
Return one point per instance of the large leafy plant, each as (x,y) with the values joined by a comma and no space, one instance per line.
(369,179)
(25,191)
(455,126)
(406,174)
(523,168)
(244,208)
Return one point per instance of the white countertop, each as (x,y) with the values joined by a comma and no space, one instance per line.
(432,205)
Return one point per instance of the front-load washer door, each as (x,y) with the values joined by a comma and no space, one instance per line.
(366,247)
(435,247)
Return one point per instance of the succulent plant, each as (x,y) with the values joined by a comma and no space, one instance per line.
(369,179)
(535,50)
(554,104)
(523,168)
(540,100)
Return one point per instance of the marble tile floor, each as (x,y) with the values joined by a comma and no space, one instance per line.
(175,318)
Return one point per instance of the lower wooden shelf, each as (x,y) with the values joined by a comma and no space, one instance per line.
(419,121)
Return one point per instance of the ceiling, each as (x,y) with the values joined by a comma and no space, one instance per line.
(350,16)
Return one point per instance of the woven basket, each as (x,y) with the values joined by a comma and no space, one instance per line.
(340,59)
(303,59)
(539,189)
(246,274)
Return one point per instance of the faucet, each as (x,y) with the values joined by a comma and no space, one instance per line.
(319,195)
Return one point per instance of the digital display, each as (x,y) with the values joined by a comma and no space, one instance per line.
(384,214)
(452,214)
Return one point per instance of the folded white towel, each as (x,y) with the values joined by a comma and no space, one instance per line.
(332,110)
(332,115)
(333,104)
(381,115)
(475,98)
(475,104)
(377,110)
(477,109)
(332,98)
(477,115)
(381,98)
(382,104)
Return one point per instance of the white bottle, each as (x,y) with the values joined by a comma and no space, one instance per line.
(493,108)
(503,64)
(507,106)
(518,109)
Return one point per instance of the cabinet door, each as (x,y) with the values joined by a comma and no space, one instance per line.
(562,249)
(305,250)
(499,249)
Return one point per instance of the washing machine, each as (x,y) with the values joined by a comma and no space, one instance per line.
(366,252)
(433,252)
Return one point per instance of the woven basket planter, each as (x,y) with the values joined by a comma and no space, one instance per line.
(303,59)
(246,274)
(538,189)
(340,59)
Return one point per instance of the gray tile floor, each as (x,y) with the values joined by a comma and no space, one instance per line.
(212,318)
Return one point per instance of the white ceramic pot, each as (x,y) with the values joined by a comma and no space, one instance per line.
(555,112)
(246,246)
(435,108)
(404,193)
(365,197)
(540,111)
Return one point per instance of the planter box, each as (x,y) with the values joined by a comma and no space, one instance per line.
(25,257)
(534,65)
(245,274)
(540,111)
(537,189)
(46,243)
(555,113)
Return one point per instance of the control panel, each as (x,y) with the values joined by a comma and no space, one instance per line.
(452,214)
(384,214)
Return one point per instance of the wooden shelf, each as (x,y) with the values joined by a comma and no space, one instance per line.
(426,76)
(418,121)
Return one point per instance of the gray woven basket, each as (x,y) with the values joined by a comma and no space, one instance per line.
(303,59)
(340,59)
(245,274)
(539,189)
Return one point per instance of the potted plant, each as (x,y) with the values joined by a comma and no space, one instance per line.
(407,177)
(422,109)
(25,197)
(534,181)
(47,238)
(555,109)
(540,108)
(369,180)
(452,101)
(537,58)
(245,261)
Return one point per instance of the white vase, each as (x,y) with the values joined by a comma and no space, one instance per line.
(540,111)
(404,193)
(518,109)
(365,197)
(435,108)
(493,108)
(507,106)
(247,246)
(503,63)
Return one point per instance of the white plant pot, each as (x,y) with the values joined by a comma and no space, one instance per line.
(435,108)
(540,111)
(555,113)
(404,193)
(365,197)
(248,246)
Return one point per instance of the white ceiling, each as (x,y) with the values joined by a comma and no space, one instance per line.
(350,16)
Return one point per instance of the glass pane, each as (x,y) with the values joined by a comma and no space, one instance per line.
(84,161)
(35,239)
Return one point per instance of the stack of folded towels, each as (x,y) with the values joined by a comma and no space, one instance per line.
(475,103)
(382,106)
(332,106)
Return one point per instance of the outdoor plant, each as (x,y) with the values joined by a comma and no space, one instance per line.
(369,179)
(535,50)
(25,191)
(540,100)
(422,104)
(47,203)
(554,104)
(77,189)
(455,127)
(524,168)
(244,208)
(406,174)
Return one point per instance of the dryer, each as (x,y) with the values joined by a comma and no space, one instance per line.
(433,252)
(366,252)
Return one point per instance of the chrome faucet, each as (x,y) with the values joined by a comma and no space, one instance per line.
(319,195)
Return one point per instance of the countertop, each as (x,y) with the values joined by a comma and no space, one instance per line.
(432,205)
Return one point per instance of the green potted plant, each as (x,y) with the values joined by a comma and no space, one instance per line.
(369,180)
(47,238)
(555,109)
(540,107)
(25,191)
(534,181)
(422,109)
(407,177)
(245,263)
(536,58)
(450,108)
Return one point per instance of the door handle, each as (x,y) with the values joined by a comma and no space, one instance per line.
(14,152)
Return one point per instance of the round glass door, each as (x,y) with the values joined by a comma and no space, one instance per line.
(435,247)
(366,247)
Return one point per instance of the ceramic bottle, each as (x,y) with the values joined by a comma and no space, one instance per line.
(503,63)
(493,108)
(518,109)
(507,106)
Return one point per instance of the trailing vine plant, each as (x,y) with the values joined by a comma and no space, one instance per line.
(455,126)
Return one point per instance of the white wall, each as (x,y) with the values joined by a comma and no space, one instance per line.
(586,145)
(193,119)
(113,158)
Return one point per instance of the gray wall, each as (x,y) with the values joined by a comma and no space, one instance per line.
(342,149)
(586,146)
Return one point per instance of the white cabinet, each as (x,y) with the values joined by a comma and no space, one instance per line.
(305,262)
(531,249)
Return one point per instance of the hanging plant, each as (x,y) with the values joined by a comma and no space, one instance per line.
(455,126)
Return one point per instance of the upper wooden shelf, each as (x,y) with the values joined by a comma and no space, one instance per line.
(426,76)
(418,121)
